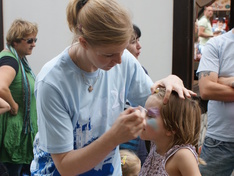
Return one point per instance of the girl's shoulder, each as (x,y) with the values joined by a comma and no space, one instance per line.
(181,149)
(187,157)
(184,153)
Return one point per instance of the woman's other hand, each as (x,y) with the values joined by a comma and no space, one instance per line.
(172,82)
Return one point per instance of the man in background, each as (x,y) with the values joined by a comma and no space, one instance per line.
(216,84)
(205,28)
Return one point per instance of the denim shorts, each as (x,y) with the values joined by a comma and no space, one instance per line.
(219,157)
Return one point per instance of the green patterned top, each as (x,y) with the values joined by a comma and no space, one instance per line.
(16,146)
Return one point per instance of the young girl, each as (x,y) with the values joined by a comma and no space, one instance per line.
(174,128)
(130,163)
(4,106)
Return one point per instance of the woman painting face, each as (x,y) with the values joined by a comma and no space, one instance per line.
(106,57)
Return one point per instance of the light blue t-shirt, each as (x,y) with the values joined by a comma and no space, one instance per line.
(70,117)
(218,57)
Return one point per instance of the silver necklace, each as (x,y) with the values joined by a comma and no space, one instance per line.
(90,89)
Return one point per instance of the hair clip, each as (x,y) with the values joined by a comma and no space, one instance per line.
(156,90)
(123,160)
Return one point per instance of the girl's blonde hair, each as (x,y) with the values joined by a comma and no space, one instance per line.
(129,162)
(182,118)
(99,22)
(19,30)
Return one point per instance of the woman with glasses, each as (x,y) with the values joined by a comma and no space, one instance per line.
(82,92)
(18,126)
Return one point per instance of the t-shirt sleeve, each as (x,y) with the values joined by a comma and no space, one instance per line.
(139,83)
(202,22)
(210,59)
(54,123)
(10,61)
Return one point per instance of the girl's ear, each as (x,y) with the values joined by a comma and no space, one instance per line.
(83,42)
(170,133)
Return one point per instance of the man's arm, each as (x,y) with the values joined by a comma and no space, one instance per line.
(201,32)
(229,81)
(211,89)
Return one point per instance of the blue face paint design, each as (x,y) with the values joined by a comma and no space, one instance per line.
(153,112)
(153,123)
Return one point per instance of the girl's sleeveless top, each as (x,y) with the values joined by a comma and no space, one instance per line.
(155,163)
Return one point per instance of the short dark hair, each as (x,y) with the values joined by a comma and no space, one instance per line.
(221,19)
(137,31)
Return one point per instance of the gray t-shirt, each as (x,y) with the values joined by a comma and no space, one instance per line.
(218,57)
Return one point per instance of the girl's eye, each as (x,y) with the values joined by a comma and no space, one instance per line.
(109,55)
(149,116)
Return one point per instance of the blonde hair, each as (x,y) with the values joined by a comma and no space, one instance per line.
(182,117)
(20,29)
(129,162)
(99,22)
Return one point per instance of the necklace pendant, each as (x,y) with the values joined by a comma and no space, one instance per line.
(90,88)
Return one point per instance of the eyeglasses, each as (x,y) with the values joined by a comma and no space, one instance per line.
(30,40)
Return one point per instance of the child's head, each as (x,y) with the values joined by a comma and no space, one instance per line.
(130,163)
(178,120)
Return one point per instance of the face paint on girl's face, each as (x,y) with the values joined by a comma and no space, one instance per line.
(152,114)
(152,123)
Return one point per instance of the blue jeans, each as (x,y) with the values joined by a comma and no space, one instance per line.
(219,157)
